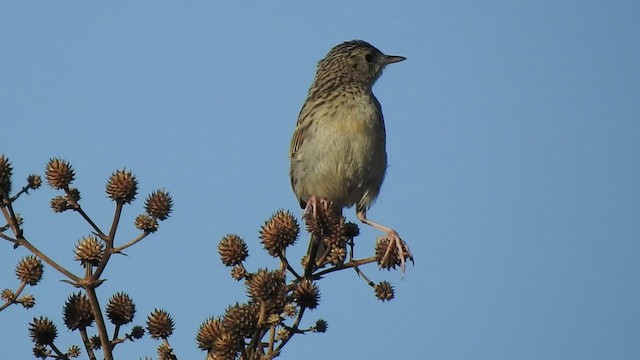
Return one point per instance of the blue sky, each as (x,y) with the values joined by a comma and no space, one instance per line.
(514,148)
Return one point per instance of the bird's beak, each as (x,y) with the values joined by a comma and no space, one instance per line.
(390,59)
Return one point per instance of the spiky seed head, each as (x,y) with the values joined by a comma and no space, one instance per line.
(241,320)
(238,272)
(325,222)
(89,251)
(7,295)
(283,333)
(208,333)
(59,173)
(34,181)
(351,230)
(159,204)
(6,172)
(290,310)
(274,319)
(77,312)
(384,291)
(74,351)
(226,347)
(73,196)
(160,324)
(337,255)
(121,309)
(59,204)
(30,270)
(95,342)
(307,294)
(41,352)
(122,186)
(391,260)
(279,232)
(165,352)
(266,285)
(304,260)
(321,326)
(42,331)
(27,301)
(146,223)
(233,250)
(137,332)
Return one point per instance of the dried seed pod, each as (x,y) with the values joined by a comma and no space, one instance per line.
(89,251)
(159,204)
(77,312)
(30,270)
(42,331)
(279,232)
(241,320)
(121,309)
(232,250)
(122,186)
(6,171)
(59,173)
(146,223)
(307,294)
(384,291)
(160,324)
(208,333)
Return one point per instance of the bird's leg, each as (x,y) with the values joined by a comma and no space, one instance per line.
(394,240)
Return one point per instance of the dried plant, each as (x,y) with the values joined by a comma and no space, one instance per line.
(81,311)
(255,329)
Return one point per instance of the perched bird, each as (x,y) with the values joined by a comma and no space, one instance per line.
(338,149)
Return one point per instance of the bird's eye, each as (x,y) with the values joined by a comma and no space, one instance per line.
(369,58)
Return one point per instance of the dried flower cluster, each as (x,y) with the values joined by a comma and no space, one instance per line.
(255,329)
(260,327)
(80,311)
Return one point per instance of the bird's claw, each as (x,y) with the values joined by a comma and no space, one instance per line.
(400,248)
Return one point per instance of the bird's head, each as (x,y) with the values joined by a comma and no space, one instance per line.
(355,61)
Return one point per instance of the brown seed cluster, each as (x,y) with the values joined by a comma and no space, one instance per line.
(7,295)
(384,291)
(233,250)
(307,294)
(59,174)
(159,204)
(77,312)
(279,232)
(321,326)
(267,286)
(122,186)
(121,309)
(223,337)
(30,270)
(42,331)
(5,176)
(59,204)
(89,251)
(329,227)
(146,223)
(160,324)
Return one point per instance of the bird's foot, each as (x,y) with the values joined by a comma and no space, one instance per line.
(313,203)
(395,251)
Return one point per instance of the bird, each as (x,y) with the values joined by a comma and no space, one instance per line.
(338,149)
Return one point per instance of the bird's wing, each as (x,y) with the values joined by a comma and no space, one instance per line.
(303,123)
